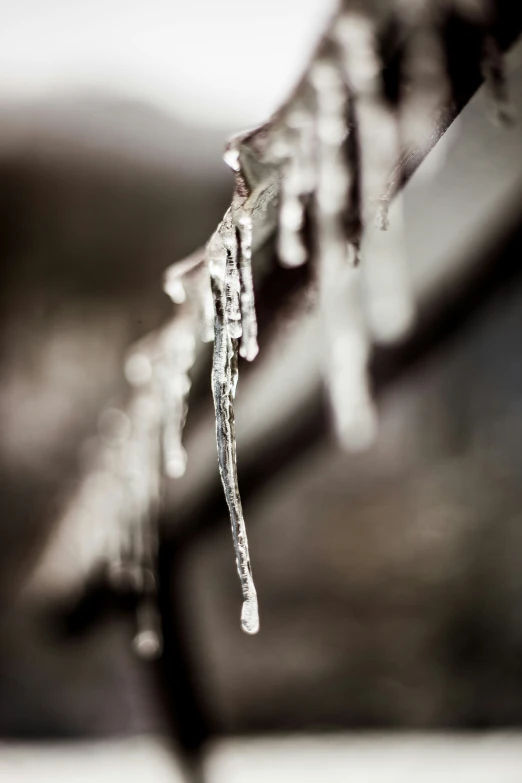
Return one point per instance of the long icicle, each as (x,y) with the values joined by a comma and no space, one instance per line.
(224,381)
(346,340)
(388,295)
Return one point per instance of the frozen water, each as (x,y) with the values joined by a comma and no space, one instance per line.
(224,382)
(248,348)
(334,150)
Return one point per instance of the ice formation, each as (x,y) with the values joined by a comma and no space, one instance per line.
(224,382)
(346,339)
(332,160)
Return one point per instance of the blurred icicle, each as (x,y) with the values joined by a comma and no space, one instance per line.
(296,149)
(120,497)
(140,472)
(143,481)
(114,432)
(158,369)
(188,281)
(148,640)
(348,353)
(176,346)
(390,307)
(346,341)
(386,291)
(224,381)
(178,343)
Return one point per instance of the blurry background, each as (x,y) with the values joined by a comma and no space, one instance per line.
(390,582)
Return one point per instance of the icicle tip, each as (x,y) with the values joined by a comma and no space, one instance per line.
(176,463)
(148,645)
(250,350)
(250,615)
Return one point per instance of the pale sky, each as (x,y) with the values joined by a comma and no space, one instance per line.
(214,62)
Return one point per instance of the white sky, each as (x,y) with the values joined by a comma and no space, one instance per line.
(218,62)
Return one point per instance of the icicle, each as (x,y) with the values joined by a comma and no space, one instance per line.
(143,478)
(346,342)
(175,289)
(138,368)
(297,183)
(376,127)
(176,275)
(177,358)
(177,341)
(189,281)
(114,432)
(132,442)
(390,308)
(348,354)
(224,380)
(232,278)
(239,217)
(248,347)
(386,284)
(290,246)
(137,472)
(206,307)
(148,641)
(232,153)
(230,267)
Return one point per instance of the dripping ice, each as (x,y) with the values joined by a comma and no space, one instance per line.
(213,290)
(222,263)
